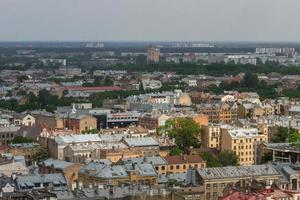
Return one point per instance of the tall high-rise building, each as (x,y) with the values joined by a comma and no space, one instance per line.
(153,55)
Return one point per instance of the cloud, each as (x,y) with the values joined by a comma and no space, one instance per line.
(218,20)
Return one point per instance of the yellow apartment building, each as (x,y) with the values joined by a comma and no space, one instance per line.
(242,142)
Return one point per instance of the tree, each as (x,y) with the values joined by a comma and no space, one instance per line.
(90,131)
(228,158)
(250,80)
(98,81)
(223,159)
(266,158)
(41,154)
(20,139)
(108,81)
(9,93)
(285,134)
(185,131)
(176,151)
(141,59)
(211,160)
(42,98)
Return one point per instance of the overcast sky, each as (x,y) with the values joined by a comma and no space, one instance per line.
(150,20)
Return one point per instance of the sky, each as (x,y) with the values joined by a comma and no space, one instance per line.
(150,20)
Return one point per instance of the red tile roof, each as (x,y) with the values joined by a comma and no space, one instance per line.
(184,159)
(241,196)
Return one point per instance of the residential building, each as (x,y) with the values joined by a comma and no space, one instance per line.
(102,172)
(52,166)
(215,180)
(181,164)
(28,150)
(211,137)
(7,134)
(242,142)
(41,181)
(153,121)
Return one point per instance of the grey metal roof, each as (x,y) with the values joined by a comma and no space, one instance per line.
(139,142)
(29,181)
(24,145)
(179,177)
(145,169)
(68,139)
(154,160)
(57,164)
(286,147)
(103,170)
(237,171)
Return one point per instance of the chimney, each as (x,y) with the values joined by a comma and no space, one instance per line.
(184,157)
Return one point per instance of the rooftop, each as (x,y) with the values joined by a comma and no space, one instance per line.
(57,164)
(68,139)
(143,141)
(184,159)
(237,172)
(244,132)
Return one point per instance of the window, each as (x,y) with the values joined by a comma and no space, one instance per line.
(177,167)
(215,194)
(207,196)
(171,167)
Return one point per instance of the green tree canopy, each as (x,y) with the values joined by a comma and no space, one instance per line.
(285,134)
(250,80)
(20,139)
(185,131)
(176,151)
(223,159)
(41,154)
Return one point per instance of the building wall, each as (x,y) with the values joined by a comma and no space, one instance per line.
(50,122)
(71,172)
(28,120)
(115,156)
(215,187)
(211,137)
(28,153)
(178,168)
(87,123)
(201,119)
(148,122)
(243,146)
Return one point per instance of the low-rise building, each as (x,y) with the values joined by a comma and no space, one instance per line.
(215,180)
(70,170)
(28,150)
(153,121)
(104,173)
(41,181)
(181,164)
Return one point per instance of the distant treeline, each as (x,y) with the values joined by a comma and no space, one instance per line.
(212,69)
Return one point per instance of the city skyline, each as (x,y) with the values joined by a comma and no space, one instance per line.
(132,20)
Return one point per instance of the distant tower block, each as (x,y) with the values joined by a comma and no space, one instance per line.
(153,55)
